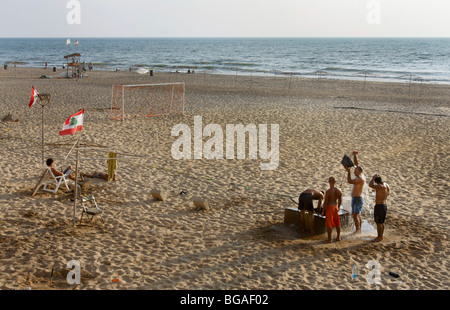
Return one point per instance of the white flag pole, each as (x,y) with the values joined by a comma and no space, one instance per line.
(43,97)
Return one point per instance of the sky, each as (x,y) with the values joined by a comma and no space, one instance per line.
(225,18)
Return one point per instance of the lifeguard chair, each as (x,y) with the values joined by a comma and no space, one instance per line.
(74,64)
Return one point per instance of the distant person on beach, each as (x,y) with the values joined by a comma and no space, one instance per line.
(382,191)
(56,172)
(305,203)
(331,206)
(357,199)
(98,175)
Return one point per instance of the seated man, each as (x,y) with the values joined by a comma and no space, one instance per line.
(98,175)
(56,173)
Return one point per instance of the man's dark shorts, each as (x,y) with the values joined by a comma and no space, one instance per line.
(305,202)
(380,213)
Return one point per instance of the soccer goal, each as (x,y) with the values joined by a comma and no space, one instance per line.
(147,100)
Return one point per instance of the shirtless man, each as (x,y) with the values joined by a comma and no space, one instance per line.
(56,173)
(98,175)
(357,199)
(381,194)
(305,203)
(331,206)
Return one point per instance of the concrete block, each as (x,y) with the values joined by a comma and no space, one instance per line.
(292,216)
(158,195)
(201,204)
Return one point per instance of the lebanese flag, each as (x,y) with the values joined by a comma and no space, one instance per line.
(34,97)
(73,124)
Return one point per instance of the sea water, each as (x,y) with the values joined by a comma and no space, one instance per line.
(379,59)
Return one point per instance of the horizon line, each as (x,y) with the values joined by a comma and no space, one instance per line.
(233,37)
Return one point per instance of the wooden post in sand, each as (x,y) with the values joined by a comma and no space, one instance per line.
(290,78)
(43,97)
(76,184)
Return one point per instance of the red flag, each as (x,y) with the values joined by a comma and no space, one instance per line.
(73,124)
(34,96)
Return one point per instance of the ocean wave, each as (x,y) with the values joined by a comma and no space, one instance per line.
(240,64)
(333,68)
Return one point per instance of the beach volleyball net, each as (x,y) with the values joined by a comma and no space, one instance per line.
(146,100)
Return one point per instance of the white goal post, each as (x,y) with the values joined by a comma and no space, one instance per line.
(147,100)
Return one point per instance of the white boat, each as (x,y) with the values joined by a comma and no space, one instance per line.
(67,41)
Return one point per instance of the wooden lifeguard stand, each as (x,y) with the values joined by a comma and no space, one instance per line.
(73,62)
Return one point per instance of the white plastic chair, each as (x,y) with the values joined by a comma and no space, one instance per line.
(57,181)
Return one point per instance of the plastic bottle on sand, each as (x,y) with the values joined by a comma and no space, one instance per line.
(354,272)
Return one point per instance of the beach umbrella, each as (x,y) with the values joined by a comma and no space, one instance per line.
(16,63)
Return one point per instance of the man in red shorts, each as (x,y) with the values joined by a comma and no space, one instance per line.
(331,206)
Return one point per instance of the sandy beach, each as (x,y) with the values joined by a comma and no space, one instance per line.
(401,131)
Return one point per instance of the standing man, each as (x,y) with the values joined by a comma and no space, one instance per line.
(381,194)
(357,190)
(305,203)
(331,206)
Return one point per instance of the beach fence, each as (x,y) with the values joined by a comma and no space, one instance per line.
(253,79)
(366,74)
(243,78)
(287,82)
(246,79)
(412,78)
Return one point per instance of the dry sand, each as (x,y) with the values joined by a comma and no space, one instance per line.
(402,133)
